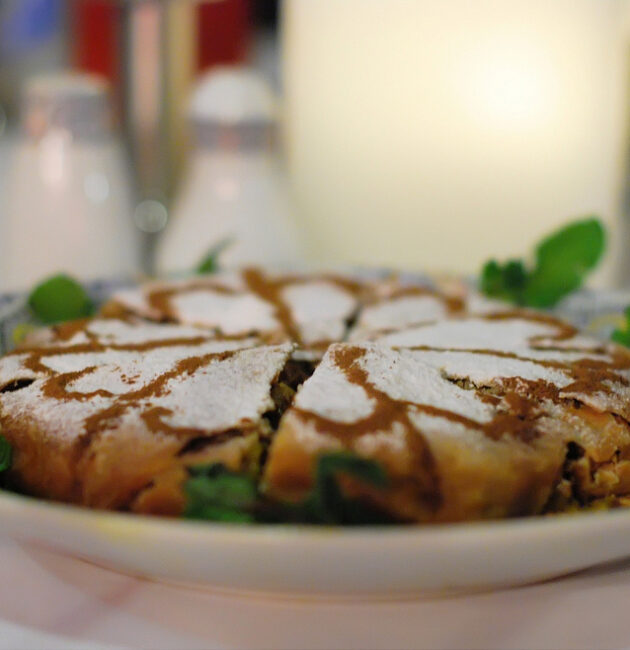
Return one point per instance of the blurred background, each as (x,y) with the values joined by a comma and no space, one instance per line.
(137,135)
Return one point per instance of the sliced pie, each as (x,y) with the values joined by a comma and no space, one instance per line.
(109,413)
(490,416)
(473,410)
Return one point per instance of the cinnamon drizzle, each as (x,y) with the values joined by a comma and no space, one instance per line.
(267,288)
(517,423)
(386,414)
(589,376)
(159,299)
(55,385)
(271,292)
(518,403)
(454,304)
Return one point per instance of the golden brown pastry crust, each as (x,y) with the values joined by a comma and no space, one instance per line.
(97,420)
(548,393)
(506,414)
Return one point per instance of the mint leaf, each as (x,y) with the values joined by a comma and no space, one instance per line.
(6,454)
(210,262)
(59,298)
(622,335)
(578,246)
(562,261)
(505,281)
(215,493)
(327,504)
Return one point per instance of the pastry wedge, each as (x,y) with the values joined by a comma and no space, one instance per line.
(110,413)
(309,310)
(475,417)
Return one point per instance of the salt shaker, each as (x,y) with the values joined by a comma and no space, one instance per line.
(68,204)
(234,192)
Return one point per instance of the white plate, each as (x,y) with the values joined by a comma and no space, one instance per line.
(311,561)
(365,562)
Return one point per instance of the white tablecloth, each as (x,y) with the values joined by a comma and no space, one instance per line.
(50,601)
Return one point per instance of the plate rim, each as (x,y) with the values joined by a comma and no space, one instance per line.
(33,519)
(28,505)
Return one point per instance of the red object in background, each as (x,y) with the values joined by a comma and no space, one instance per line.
(95,37)
(223,32)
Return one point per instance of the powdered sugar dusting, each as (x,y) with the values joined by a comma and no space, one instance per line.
(505,335)
(231,393)
(477,303)
(319,310)
(65,419)
(120,372)
(408,378)
(398,313)
(231,314)
(488,369)
(400,376)
(135,300)
(311,310)
(12,368)
(113,331)
(329,394)
(209,384)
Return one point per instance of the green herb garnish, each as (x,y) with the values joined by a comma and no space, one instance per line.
(210,262)
(622,334)
(327,504)
(215,493)
(6,454)
(562,261)
(59,298)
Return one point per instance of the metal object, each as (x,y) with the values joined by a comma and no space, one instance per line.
(156,60)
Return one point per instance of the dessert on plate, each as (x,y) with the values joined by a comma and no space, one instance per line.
(472,410)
